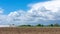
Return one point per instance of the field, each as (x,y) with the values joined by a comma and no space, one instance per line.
(28,30)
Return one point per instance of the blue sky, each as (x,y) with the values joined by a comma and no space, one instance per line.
(13,5)
(21,12)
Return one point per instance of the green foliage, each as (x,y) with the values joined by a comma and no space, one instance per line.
(56,25)
(51,25)
(41,25)
(25,26)
(29,25)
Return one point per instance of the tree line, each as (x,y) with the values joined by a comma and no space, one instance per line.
(41,25)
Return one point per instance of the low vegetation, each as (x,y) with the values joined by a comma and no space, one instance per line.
(41,25)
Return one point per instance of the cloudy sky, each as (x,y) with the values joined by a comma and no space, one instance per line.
(20,12)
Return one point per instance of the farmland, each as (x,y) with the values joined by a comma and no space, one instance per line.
(28,30)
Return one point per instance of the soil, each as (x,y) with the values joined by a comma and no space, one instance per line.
(14,30)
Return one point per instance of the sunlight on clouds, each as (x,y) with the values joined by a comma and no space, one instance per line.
(51,5)
(50,8)
(39,12)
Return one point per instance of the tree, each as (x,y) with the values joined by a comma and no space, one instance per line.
(56,25)
(39,25)
(24,25)
(51,25)
(29,25)
(42,25)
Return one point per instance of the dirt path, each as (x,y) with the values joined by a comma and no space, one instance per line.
(29,30)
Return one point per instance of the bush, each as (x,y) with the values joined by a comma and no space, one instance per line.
(39,25)
(56,25)
(51,25)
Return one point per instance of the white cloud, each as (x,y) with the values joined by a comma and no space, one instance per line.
(56,0)
(39,12)
(49,9)
(1,10)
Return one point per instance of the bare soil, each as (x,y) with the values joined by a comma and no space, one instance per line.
(14,30)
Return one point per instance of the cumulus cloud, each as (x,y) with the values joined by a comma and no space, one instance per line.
(49,9)
(1,10)
(41,12)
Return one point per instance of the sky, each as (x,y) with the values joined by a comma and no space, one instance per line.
(13,5)
(23,12)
